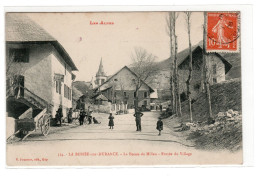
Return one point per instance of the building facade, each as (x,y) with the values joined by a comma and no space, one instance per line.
(120,89)
(217,69)
(217,65)
(42,65)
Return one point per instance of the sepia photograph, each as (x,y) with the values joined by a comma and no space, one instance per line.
(126,88)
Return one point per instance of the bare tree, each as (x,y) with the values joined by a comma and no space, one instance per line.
(174,78)
(143,67)
(121,96)
(206,75)
(188,19)
(13,69)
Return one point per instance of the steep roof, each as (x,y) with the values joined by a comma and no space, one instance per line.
(154,94)
(125,67)
(101,97)
(21,29)
(101,71)
(183,55)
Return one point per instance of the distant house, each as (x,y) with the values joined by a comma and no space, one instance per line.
(119,89)
(218,67)
(39,70)
(154,98)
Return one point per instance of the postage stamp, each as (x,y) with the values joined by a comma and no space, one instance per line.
(222,32)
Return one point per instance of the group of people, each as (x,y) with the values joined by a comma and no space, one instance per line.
(59,115)
(83,114)
(138,114)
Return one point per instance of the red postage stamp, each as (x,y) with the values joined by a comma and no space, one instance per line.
(222,32)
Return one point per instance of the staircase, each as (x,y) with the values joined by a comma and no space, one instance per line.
(21,95)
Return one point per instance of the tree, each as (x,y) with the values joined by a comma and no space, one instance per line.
(120,97)
(205,71)
(13,70)
(143,67)
(188,19)
(174,78)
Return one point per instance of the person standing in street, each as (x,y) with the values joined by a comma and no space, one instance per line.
(111,121)
(159,126)
(138,114)
(70,115)
(59,114)
(82,115)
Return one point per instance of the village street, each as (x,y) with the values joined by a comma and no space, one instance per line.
(96,144)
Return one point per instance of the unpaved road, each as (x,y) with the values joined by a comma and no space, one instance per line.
(97,145)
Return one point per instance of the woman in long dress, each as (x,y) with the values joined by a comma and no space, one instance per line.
(219,28)
(111,121)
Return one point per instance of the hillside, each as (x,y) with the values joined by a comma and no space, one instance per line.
(224,96)
(82,86)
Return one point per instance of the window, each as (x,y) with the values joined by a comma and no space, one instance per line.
(19,55)
(145,103)
(115,94)
(134,94)
(58,87)
(102,81)
(115,79)
(67,92)
(125,94)
(214,80)
(214,69)
(145,94)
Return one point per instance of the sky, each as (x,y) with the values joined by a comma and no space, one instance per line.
(87,44)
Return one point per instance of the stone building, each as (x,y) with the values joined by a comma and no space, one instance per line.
(39,70)
(218,67)
(120,89)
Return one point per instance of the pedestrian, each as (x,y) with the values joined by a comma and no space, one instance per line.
(60,114)
(89,119)
(82,115)
(160,107)
(138,114)
(159,126)
(111,121)
(58,119)
(70,115)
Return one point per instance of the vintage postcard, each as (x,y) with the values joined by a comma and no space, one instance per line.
(123,88)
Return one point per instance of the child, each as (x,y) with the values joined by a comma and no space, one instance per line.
(159,126)
(111,121)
